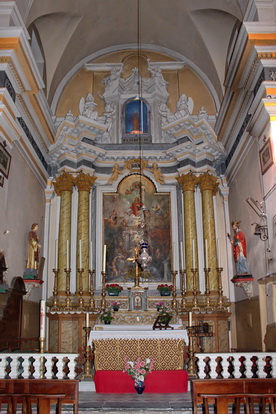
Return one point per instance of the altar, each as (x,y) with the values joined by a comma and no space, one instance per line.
(113,343)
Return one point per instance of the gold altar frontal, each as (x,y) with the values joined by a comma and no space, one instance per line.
(112,347)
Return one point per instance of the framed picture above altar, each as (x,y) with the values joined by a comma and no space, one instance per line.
(135,213)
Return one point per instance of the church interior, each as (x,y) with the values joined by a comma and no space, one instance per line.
(137,189)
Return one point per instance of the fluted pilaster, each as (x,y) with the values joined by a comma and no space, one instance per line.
(209,186)
(64,186)
(84,182)
(188,183)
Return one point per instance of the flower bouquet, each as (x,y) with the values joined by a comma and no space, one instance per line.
(165,290)
(164,313)
(138,371)
(159,305)
(105,315)
(115,306)
(113,289)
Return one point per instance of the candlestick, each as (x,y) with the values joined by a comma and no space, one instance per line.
(56,254)
(206,254)
(42,318)
(80,255)
(104,258)
(67,255)
(90,256)
(193,253)
(182,256)
(87,320)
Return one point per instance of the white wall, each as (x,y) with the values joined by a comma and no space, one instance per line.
(21,204)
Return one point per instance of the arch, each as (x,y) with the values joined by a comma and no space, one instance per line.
(150,47)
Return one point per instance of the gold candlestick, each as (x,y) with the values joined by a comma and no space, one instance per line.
(174,302)
(55,292)
(195,302)
(42,345)
(220,291)
(183,290)
(81,301)
(91,289)
(68,306)
(87,372)
(41,350)
(191,363)
(207,290)
(103,301)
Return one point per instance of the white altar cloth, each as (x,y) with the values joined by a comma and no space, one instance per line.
(101,332)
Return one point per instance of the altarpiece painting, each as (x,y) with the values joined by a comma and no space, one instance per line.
(137,213)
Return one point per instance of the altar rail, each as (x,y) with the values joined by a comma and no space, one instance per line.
(38,366)
(236,365)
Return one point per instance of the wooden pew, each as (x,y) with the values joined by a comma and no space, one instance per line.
(40,391)
(222,392)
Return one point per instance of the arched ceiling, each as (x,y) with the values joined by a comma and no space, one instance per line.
(70,31)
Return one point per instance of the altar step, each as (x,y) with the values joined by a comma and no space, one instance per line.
(134,403)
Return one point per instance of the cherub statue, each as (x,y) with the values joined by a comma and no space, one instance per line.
(184,106)
(115,173)
(86,107)
(166,115)
(159,177)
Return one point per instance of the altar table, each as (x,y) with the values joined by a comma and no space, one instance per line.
(166,381)
(113,343)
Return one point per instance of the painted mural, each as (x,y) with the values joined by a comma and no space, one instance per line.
(135,213)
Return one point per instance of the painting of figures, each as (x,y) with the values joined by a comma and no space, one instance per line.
(134,214)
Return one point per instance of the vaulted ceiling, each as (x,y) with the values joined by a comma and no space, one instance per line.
(71,33)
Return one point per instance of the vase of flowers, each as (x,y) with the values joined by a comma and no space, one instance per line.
(138,370)
(165,290)
(115,306)
(164,312)
(113,289)
(106,315)
(159,305)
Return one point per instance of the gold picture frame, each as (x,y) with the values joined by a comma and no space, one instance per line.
(266,156)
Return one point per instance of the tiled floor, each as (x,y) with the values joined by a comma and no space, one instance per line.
(134,403)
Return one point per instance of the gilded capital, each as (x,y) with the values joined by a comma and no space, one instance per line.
(84,182)
(208,182)
(65,182)
(187,181)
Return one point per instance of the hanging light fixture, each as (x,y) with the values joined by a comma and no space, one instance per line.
(144,259)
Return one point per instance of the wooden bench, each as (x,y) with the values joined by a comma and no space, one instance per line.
(222,392)
(42,392)
(222,401)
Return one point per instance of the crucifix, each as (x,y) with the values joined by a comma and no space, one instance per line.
(134,260)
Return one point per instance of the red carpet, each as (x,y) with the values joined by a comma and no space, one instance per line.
(156,382)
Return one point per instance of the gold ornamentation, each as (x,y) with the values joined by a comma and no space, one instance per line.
(208,182)
(84,182)
(110,353)
(136,165)
(187,181)
(65,182)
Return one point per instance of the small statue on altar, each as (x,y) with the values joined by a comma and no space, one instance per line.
(239,249)
(32,261)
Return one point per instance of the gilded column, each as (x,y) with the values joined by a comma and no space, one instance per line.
(64,186)
(188,183)
(209,186)
(84,182)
